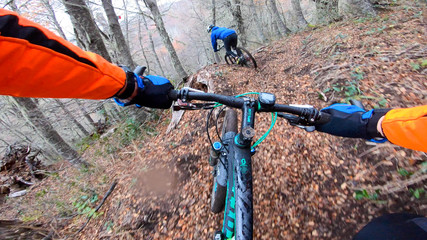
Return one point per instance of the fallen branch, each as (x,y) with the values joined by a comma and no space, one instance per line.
(330,72)
(370,170)
(99,206)
(333,66)
(18,194)
(397,186)
(407,50)
(376,148)
(24,182)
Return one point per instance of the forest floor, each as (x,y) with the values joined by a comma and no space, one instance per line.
(306,185)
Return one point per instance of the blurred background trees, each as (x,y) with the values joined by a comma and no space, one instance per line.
(168,36)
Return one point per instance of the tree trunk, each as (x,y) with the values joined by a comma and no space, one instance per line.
(257,21)
(31,112)
(126,21)
(326,11)
(14,7)
(296,6)
(150,37)
(49,150)
(147,63)
(234,6)
(85,27)
(71,117)
(204,50)
(121,45)
(356,8)
(213,13)
(278,19)
(152,5)
(85,113)
(18,134)
(53,18)
(274,30)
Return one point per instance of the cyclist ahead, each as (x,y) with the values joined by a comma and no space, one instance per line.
(34,62)
(228,36)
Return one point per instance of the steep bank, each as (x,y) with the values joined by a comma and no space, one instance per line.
(304,183)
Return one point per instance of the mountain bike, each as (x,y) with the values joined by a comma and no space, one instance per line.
(244,58)
(230,157)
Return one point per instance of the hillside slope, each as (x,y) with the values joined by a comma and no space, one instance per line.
(304,183)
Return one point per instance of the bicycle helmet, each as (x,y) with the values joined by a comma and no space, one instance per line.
(209,29)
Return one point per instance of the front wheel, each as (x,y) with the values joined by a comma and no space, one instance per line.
(249,60)
(219,191)
(230,60)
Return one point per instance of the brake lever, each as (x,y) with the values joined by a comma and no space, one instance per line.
(183,105)
(296,121)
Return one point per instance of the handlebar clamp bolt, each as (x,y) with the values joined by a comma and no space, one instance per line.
(248,133)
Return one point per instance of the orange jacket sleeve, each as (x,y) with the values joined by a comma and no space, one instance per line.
(34,62)
(407,127)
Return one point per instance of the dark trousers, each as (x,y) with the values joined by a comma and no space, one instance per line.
(396,226)
(230,42)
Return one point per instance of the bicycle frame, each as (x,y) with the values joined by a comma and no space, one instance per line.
(238,213)
(236,152)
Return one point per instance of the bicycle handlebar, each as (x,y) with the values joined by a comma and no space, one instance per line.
(226,100)
(314,116)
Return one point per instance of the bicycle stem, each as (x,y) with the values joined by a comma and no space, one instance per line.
(247,131)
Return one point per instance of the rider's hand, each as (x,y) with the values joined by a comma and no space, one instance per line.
(352,121)
(149,91)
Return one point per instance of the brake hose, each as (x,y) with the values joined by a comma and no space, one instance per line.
(273,121)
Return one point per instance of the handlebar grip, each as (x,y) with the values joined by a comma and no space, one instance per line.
(173,95)
(323,118)
(139,70)
(357,103)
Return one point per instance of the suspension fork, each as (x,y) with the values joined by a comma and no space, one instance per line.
(243,173)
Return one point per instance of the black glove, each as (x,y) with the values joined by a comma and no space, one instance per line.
(352,121)
(152,91)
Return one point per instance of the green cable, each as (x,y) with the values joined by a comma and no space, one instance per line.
(274,117)
(273,122)
(244,94)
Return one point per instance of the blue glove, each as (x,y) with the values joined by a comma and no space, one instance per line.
(352,121)
(152,91)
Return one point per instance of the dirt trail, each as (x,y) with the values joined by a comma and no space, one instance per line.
(304,183)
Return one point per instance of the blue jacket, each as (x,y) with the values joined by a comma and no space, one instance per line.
(219,33)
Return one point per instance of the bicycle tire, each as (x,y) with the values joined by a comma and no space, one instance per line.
(249,59)
(219,192)
(230,60)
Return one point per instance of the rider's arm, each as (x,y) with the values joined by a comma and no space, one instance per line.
(34,62)
(214,43)
(406,127)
